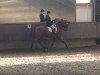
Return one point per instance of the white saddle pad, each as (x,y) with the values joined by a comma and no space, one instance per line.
(50,29)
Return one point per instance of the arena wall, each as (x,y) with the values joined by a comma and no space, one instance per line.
(17,35)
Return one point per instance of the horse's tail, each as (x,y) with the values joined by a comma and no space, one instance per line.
(32,32)
(32,35)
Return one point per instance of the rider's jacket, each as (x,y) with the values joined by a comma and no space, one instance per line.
(48,21)
(42,18)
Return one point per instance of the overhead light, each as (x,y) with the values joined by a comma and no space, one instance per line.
(82,1)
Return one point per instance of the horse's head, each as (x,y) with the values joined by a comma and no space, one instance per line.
(62,24)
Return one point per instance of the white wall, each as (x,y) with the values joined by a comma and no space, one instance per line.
(84,13)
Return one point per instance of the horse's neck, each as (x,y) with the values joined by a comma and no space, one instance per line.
(59,30)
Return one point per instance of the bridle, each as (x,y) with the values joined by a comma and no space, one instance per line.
(62,24)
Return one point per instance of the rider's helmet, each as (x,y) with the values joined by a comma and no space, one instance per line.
(42,10)
(48,12)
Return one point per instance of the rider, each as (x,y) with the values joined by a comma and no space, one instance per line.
(49,22)
(42,16)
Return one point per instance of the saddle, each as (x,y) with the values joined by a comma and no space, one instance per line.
(52,30)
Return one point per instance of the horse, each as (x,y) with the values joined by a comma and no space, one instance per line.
(43,35)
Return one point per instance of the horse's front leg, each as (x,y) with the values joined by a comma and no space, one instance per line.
(63,41)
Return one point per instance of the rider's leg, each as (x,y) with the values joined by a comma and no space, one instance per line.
(53,29)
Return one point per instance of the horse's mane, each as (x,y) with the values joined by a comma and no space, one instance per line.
(58,20)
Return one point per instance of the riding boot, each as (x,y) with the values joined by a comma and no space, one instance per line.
(53,32)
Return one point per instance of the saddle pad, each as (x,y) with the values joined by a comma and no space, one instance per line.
(50,30)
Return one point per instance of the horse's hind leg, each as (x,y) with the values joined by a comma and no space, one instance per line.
(52,44)
(43,47)
(32,44)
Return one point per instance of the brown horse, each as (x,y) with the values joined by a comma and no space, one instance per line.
(45,37)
